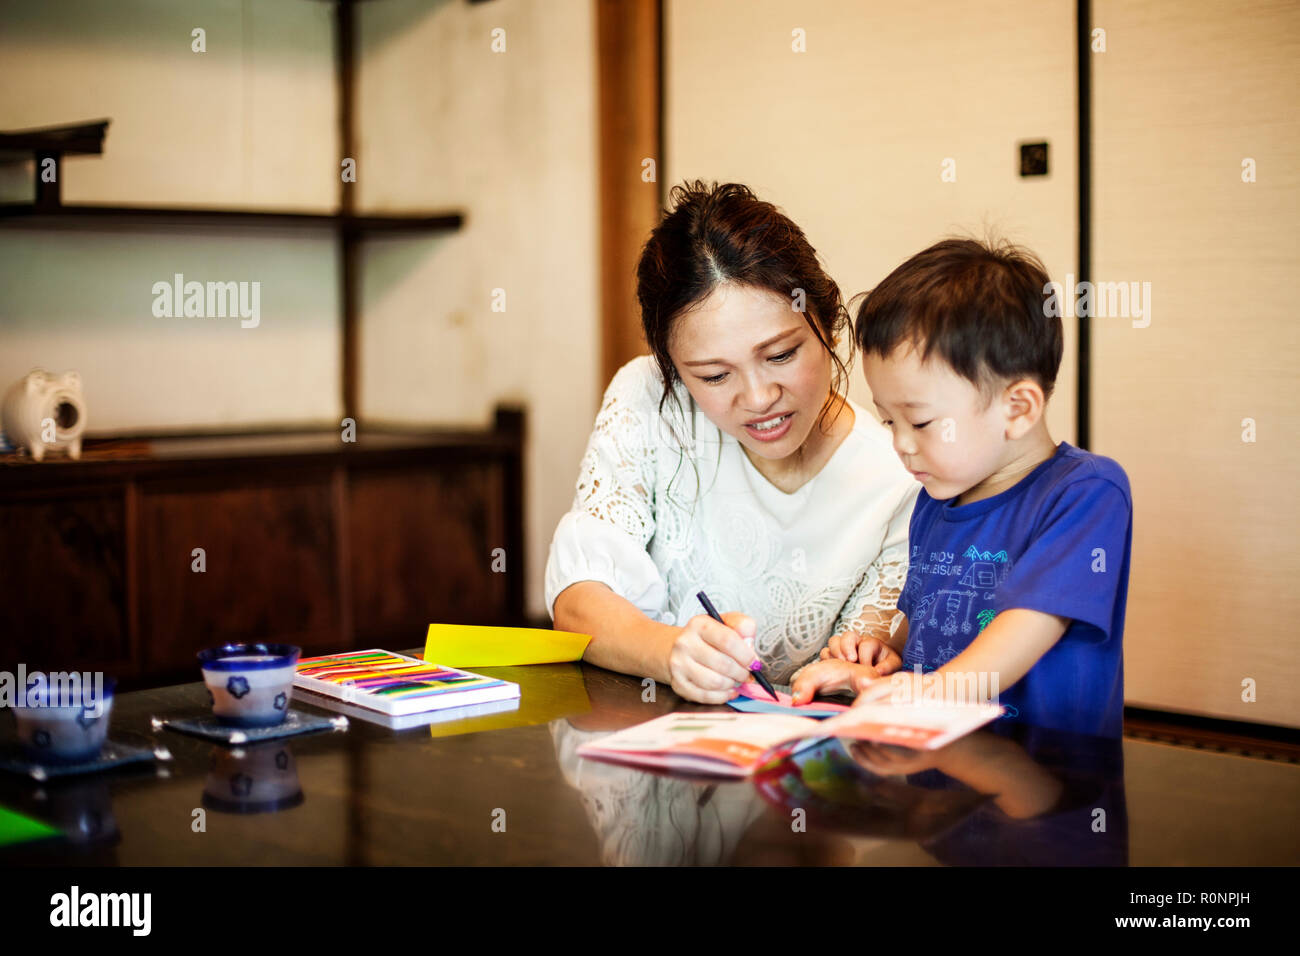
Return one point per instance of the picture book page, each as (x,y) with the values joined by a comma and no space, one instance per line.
(754,700)
(737,739)
(919,726)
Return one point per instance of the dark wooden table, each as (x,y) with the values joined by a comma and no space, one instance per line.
(509,789)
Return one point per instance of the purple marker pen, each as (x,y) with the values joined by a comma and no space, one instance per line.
(756,668)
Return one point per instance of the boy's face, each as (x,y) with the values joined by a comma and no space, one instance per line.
(943,431)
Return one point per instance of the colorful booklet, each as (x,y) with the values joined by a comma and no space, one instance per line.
(396,684)
(404,721)
(736,745)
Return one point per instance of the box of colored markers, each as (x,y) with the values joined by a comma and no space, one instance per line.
(395,684)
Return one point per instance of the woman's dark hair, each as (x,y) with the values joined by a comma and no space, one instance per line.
(983,307)
(716,234)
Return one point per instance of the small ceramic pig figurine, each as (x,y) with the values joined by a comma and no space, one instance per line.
(44,411)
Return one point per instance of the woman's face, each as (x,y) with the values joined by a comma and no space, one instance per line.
(748,359)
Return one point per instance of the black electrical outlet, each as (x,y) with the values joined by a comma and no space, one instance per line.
(1033,159)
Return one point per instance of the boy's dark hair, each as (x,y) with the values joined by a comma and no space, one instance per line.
(982,307)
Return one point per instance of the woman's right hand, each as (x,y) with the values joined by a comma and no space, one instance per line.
(709,661)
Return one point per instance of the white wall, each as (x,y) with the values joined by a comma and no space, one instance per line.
(83,300)
(849,136)
(510,138)
(249,123)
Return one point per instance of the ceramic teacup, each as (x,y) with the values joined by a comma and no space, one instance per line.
(64,724)
(250,684)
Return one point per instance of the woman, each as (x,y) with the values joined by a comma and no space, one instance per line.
(731,461)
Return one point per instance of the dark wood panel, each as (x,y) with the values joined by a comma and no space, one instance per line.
(64,582)
(629,74)
(234,457)
(271,571)
(194,219)
(422,546)
(100,575)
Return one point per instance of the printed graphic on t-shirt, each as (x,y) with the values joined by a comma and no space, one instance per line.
(952,597)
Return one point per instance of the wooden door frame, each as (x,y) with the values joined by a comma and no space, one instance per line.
(629,66)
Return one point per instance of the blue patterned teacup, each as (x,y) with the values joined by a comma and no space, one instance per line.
(64,724)
(250,684)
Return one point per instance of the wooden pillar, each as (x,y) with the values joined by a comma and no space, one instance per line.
(629,69)
(349,277)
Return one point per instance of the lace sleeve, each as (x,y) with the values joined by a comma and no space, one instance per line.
(604,535)
(872,607)
(616,477)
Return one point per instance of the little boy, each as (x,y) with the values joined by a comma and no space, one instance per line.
(1019,545)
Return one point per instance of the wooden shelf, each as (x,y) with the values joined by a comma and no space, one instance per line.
(30,215)
(310,540)
(249,452)
(85,139)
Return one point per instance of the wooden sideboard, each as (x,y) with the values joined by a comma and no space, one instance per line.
(305,539)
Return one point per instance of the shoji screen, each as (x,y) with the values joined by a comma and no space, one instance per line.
(1193,100)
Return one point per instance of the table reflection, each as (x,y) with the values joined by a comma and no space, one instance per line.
(1009,796)
(262,778)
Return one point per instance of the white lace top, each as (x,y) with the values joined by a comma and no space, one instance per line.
(657,523)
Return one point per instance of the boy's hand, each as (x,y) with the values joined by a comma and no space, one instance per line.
(829,677)
(901,687)
(885,761)
(858,648)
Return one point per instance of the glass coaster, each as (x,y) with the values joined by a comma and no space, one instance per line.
(112,755)
(210,728)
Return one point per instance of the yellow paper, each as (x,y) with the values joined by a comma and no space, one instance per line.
(549,692)
(463,645)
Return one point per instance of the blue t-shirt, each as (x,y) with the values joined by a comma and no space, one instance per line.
(1057,541)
